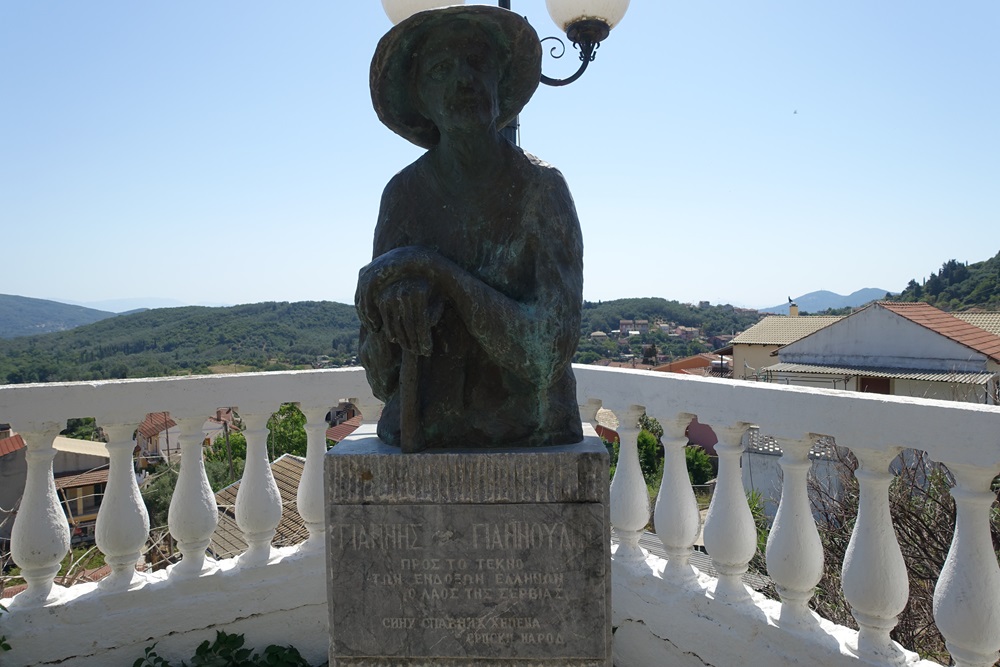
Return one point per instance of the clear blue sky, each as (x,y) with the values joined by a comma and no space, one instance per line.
(732,151)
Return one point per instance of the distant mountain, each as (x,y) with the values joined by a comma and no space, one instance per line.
(959,286)
(24,316)
(192,339)
(133,305)
(814,302)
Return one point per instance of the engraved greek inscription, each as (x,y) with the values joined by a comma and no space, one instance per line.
(528,578)
(381,536)
(416,564)
(500,563)
(521,535)
(529,594)
(435,594)
(391,579)
(448,579)
(478,594)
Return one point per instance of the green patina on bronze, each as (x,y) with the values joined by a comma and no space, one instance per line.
(470,308)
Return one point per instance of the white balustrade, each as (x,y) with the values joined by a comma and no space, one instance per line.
(676,515)
(874,573)
(794,551)
(122,522)
(258,502)
(674,624)
(309,499)
(730,533)
(967,597)
(629,496)
(40,537)
(193,513)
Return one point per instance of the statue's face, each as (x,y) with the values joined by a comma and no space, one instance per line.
(457,79)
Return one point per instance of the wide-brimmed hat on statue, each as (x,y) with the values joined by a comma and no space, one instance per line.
(390,78)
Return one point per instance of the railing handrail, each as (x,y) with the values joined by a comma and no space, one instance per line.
(36,407)
(870,421)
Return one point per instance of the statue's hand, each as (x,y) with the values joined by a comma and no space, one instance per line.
(408,312)
(411,265)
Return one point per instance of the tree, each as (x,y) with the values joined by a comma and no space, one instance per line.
(287,432)
(650,455)
(699,466)
(83,428)
(934,285)
(652,425)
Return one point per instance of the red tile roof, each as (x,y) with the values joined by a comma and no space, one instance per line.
(624,364)
(947,325)
(75,480)
(155,422)
(11,591)
(344,429)
(11,444)
(608,434)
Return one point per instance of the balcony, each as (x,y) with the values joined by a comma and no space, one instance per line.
(665,612)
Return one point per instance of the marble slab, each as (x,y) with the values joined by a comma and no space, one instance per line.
(510,567)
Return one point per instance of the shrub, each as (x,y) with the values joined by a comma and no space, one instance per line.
(227,651)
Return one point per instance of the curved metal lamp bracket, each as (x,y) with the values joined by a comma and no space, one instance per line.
(585,36)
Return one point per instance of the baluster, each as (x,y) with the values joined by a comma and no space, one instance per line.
(258,502)
(369,407)
(122,522)
(794,551)
(874,573)
(40,536)
(967,597)
(676,514)
(629,497)
(730,534)
(310,493)
(193,512)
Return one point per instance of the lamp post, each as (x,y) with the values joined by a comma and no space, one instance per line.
(586,24)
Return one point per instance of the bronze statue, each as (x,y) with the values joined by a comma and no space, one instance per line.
(470,309)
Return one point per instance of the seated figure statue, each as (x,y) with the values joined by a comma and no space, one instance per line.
(470,308)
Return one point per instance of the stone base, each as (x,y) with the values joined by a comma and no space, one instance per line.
(485,558)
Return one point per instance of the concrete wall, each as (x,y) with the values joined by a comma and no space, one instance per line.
(945,391)
(70,462)
(756,356)
(282,603)
(656,623)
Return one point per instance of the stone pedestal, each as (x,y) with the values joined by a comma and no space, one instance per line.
(482,558)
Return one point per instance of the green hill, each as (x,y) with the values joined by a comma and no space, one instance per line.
(24,316)
(957,286)
(713,320)
(193,339)
(263,336)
